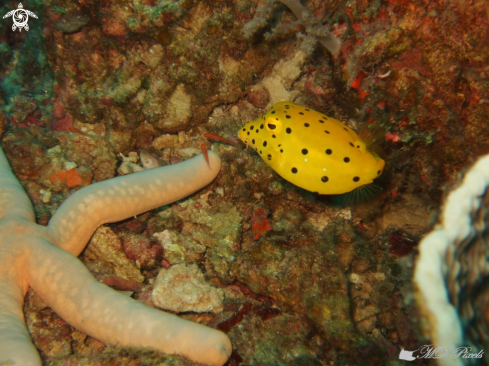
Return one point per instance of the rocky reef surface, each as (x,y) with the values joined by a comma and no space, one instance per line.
(99,89)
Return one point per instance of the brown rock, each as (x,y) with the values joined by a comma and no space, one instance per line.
(3,122)
(259,98)
(104,256)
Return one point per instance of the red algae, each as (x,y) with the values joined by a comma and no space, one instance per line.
(237,318)
(401,243)
(120,283)
(260,223)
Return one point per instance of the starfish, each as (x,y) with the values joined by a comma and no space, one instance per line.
(45,258)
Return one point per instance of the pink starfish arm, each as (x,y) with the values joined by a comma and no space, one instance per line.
(15,342)
(74,294)
(116,199)
(14,202)
(28,257)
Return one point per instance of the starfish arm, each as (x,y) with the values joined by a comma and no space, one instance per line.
(16,347)
(14,202)
(74,294)
(122,197)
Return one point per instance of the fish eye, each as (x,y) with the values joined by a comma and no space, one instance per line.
(273,125)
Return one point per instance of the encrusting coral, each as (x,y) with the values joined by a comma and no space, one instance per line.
(312,25)
(453,266)
(43,257)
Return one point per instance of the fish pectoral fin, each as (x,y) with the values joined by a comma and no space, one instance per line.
(360,145)
(372,135)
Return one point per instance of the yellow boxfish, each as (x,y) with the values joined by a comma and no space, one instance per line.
(313,151)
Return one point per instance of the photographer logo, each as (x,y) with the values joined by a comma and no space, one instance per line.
(20,17)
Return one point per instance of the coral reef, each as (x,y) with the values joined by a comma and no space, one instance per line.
(452,268)
(312,25)
(42,257)
(96,90)
(182,288)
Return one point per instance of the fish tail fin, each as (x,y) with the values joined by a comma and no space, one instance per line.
(359,195)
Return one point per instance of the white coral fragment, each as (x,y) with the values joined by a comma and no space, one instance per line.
(182,288)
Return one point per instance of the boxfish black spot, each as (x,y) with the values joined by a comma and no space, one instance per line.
(346,160)
(244,129)
(329,151)
(294,170)
(301,113)
(346,129)
(378,172)
(253,141)
(356,179)
(273,136)
(306,124)
(324,179)
(304,151)
(264,143)
(248,133)
(306,109)
(257,130)
(273,112)
(261,126)
(260,152)
(252,127)
(288,130)
(269,157)
(281,151)
(287,116)
(326,132)
(321,121)
(352,145)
